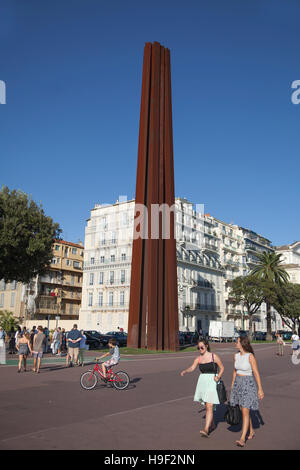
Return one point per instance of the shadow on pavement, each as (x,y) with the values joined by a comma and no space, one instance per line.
(256,417)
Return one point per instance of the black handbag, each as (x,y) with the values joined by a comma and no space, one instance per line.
(221,390)
(233,415)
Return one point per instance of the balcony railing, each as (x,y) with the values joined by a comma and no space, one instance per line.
(199,307)
(88,264)
(112,305)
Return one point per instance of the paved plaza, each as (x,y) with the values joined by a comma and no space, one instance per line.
(50,410)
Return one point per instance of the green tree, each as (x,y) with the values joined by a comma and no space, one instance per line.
(287,303)
(248,291)
(7,320)
(26,237)
(269,269)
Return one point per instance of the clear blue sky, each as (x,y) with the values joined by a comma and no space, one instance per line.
(73,70)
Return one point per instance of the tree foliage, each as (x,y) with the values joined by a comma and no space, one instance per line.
(248,291)
(26,237)
(270,271)
(8,321)
(287,303)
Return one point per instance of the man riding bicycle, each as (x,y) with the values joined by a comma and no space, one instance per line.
(115,356)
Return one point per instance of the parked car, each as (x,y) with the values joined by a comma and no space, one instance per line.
(181,338)
(120,337)
(259,336)
(94,339)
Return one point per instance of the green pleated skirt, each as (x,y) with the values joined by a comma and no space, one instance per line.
(206,390)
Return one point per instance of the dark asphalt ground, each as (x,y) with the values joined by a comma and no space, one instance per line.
(50,410)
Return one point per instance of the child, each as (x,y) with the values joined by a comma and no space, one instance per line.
(115,356)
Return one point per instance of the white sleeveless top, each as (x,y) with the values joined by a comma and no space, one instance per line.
(242,364)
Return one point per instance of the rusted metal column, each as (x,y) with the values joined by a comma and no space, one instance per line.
(153,311)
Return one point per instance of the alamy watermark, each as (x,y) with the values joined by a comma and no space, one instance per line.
(296,94)
(2,92)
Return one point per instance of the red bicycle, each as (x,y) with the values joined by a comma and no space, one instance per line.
(88,380)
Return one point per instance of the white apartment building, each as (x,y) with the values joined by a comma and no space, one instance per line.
(290,255)
(209,253)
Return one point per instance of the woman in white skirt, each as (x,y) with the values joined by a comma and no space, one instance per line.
(206,389)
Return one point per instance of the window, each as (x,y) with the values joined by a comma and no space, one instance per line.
(122,298)
(68,262)
(101,277)
(53,260)
(123,256)
(112,258)
(113,237)
(91,279)
(111,299)
(92,260)
(66,251)
(76,264)
(112,277)
(71,309)
(13,285)
(90,304)
(74,251)
(1,300)
(100,299)
(12,299)
(102,259)
(56,247)
(123,276)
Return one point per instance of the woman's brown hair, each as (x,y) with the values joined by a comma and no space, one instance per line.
(205,342)
(245,343)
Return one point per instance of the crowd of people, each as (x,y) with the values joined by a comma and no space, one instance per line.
(37,341)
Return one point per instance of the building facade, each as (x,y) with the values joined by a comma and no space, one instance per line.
(290,255)
(210,253)
(53,297)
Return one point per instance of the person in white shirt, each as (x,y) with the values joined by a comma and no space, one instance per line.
(295,343)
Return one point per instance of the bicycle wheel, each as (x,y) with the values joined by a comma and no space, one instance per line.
(121,380)
(88,380)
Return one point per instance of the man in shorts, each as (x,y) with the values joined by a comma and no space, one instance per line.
(38,347)
(74,337)
(115,356)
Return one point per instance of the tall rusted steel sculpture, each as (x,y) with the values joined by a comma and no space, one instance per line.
(153,311)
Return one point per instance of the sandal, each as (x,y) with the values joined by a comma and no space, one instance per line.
(251,436)
(240,443)
(204,433)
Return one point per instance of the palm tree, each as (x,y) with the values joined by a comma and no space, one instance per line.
(269,269)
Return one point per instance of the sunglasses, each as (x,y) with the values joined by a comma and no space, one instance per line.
(201,348)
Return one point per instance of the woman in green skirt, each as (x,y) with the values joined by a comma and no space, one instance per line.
(206,390)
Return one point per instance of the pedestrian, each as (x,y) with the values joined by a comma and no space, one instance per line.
(73,338)
(46,333)
(18,333)
(2,346)
(295,343)
(58,341)
(38,349)
(24,348)
(82,348)
(280,342)
(12,341)
(211,368)
(63,340)
(244,391)
(32,333)
(54,342)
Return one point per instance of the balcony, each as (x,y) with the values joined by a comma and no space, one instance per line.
(116,305)
(206,284)
(210,247)
(87,264)
(195,308)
